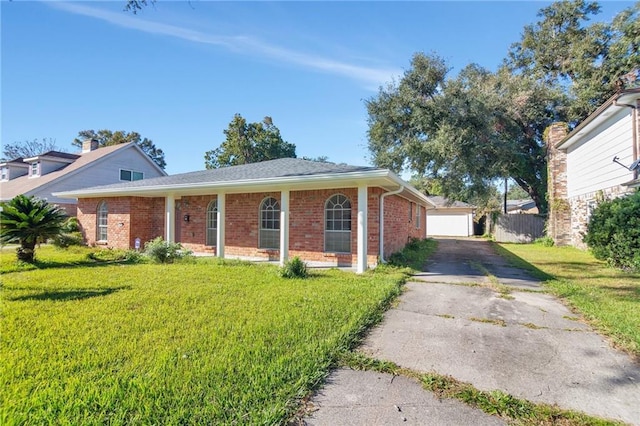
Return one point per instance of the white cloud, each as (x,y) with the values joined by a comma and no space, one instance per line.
(371,77)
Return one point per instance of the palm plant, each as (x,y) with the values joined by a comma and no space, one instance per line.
(28,220)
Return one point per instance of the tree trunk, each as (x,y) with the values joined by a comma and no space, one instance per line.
(26,252)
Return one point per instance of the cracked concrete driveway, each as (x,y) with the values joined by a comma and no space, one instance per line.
(528,345)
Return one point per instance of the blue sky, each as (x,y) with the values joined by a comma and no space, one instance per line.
(177,72)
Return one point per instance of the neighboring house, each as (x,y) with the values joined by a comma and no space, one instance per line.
(526,206)
(449,219)
(55,171)
(591,164)
(327,214)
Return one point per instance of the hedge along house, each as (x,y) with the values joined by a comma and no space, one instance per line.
(325,213)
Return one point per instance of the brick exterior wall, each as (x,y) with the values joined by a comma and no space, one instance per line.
(559,223)
(69,209)
(398,228)
(123,228)
(135,217)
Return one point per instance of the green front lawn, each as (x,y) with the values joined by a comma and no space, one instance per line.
(200,343)
(607,297)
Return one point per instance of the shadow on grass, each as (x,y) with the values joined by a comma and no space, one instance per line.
(519,262)
(48,264)
(66,295)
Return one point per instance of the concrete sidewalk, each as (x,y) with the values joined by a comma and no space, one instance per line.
(530,346)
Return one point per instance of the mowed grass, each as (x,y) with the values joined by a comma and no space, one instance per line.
(608,298)
(199,343)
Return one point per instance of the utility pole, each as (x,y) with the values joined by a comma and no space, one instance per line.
(505,195)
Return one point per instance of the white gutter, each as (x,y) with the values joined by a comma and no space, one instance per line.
(381,239)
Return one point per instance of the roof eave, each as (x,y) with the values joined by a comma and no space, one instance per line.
(382,178)
(616,101)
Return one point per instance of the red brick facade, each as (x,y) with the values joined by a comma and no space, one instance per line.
(136,217)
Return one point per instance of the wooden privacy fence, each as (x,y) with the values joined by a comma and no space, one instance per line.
(517,228)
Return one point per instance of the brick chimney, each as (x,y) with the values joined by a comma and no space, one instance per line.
(559,224)
(89,145)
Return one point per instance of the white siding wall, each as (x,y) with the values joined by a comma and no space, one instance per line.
(103,172)
(590,165)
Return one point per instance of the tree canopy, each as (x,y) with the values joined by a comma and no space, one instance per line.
(463,133)
(108,138)
(27,148)
(249,143)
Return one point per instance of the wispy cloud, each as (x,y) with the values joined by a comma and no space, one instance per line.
(371,77)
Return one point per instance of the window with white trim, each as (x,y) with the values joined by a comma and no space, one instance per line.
(4,173)
(35,169)
(212,223)
(269,224)
(337,224)
(102,221)
(418,216)
(130,175)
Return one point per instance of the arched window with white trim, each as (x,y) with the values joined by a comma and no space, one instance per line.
(102,221)
(269,224)
(337,224)
(212,223)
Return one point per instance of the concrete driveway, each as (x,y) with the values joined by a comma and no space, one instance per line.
(450,322)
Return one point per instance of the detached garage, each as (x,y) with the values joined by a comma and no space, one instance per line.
(449,219)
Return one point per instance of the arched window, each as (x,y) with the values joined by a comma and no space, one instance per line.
(337,224)
(101,221)
(212,223)
(269,224)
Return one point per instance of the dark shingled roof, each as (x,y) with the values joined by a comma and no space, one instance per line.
(280,168)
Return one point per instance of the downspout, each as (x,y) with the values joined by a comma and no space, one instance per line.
(381,239)
(634,132)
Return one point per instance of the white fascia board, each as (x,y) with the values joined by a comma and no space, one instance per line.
(611,107)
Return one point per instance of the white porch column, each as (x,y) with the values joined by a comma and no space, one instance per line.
(361,264)
(169,213)
(284,227)
(220,231)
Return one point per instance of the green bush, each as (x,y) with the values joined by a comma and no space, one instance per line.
(545,241)
(613,233)
(68,239)
(294,268)
(161,251)
(115,255)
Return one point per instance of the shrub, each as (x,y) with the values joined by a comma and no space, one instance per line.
(161,251)
(545,241)
(294,268)
(68,239)
(613,233)
(115,255)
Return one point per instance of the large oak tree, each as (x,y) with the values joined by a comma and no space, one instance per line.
(462,133)
(249,143)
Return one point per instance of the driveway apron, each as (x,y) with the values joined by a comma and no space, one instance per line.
(450,321)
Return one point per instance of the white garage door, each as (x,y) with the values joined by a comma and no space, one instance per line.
(448,224)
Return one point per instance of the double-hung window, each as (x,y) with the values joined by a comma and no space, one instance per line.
(269,224)
(101,221)
(212,223)
(337,224)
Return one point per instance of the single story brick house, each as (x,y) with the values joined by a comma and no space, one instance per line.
(325,213)
(598,160)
